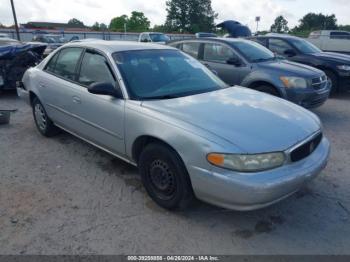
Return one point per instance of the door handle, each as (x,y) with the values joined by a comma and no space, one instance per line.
(76,100)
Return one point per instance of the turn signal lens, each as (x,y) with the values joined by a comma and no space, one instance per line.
(216,159)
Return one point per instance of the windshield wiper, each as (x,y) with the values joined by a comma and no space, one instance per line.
(160,97)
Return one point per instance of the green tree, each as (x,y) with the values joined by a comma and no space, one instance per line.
(103,27)
(190,16)
(96,26)
(75,22)
(117,23)
(138,22)
(280,25)
(313,21)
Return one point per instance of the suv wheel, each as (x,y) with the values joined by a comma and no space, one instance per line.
(334,81)
(165,177)
(44,124)
(267,89)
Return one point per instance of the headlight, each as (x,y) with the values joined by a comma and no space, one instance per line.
(293,82)
(344,67)
(247,163)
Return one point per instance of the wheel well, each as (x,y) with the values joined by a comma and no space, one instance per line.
(263,83)
(327,69)
(32,95)
(141,142)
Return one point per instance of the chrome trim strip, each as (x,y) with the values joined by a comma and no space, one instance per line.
(86,122)
(98,146)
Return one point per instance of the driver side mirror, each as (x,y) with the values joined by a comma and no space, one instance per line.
(290,53)
(105,88)
(234,61)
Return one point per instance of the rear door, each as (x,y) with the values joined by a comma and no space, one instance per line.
(56,85)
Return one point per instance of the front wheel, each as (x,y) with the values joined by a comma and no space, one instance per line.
(267,89)
(334,81)
(165,177)
(44,124)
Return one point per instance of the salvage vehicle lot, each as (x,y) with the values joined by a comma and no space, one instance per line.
(62,195)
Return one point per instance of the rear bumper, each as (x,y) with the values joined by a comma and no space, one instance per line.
(246,192)
(308,97)
(22,92)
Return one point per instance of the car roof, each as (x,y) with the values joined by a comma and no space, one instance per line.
(117,46)
(273,35)
(214,39)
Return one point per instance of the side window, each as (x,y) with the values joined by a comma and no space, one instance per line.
(339,35)
(94,68)
(262,41)
(191,48)
(50,67)
(279,46)
(67,62)
(217,53)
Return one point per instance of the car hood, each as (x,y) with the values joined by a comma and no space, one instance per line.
(291,68)
(335,57)
(252,121)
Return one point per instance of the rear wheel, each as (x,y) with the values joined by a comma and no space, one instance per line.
(44,124)
(165,177)
(267,89)
(334,80)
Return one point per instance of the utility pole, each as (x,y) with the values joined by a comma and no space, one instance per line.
(15,18)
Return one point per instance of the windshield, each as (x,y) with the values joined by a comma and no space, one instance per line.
(164,74)
(304,46)
(159,38)
(253,52)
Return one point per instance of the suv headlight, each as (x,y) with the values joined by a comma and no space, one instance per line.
(344,67)
(247,163)
(294,82)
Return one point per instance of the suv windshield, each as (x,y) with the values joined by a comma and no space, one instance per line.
(304,46)
(253,52)
(159,37)
(164,74)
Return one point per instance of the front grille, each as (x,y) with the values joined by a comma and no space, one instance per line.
(319,82)
(306,149)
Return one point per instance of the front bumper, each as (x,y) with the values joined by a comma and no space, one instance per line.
(246,192)
(309,97)
(22,92)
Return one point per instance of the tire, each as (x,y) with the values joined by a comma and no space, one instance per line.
(267,89)
(334,79)
(44,124)
(165,177)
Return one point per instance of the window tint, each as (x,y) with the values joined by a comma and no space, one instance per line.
(262,41)
(94,68)
(52,63)
(67,62)
(279,46)
(191,48)
(340,35)
(217,53)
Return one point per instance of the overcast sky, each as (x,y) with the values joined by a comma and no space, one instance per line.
(244,11)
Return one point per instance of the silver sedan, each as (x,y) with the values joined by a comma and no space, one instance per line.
(189,133)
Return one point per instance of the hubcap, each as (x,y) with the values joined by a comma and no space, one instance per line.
(40,116)
(162,179)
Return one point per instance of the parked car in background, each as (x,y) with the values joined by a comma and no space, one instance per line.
(154,37)
(203,34)
(52,41)
(189,133)
(246,63)
(336,66)
(331,40)
(15,58)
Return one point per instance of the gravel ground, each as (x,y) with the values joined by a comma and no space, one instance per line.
(63,196)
